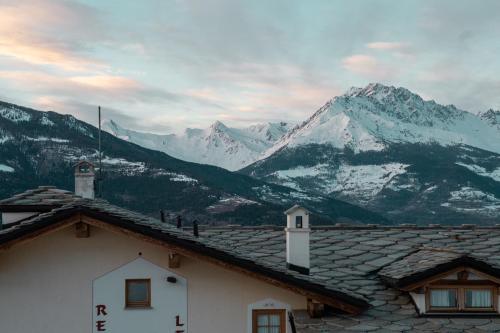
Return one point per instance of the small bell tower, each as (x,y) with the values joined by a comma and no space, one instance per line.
(84,180)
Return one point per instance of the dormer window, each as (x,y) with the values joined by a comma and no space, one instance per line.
(441,282)
(298,222)
(461,298)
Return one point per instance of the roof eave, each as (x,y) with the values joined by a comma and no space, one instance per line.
(9,208)
(407,282)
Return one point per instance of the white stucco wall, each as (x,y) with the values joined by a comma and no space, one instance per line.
(46,284)
(419,300)
(168,300)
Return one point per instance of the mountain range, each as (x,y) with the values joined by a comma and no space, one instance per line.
(41,148)
(380,147)
(228,148)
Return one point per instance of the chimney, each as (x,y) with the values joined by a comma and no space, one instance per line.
(297,239)
(195,228)
(84,180)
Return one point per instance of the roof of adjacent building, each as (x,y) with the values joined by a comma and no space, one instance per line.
(43,198)
(354,263)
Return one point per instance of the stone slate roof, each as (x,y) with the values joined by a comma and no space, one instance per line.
(347,260)
(352,258)
(44,197)
(420,261)
(428,262)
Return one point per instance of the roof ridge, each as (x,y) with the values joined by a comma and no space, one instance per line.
(441,249)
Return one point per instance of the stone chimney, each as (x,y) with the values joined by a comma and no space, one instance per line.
(84,180)
(297,239)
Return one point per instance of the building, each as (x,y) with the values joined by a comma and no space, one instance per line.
(70,263)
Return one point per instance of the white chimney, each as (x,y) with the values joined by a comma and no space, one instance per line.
(297,239)
(84,180)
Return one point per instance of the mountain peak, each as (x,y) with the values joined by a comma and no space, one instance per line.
(371,117)
(381,92)
(369,90)
(218,126)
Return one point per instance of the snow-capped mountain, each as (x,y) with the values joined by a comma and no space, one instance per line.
(367,119)
(41,148)
(219,145)
(387,149)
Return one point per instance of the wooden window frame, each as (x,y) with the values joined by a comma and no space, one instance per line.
(460,292)
(442,309)
(141,304)
(494,298)
(257,312)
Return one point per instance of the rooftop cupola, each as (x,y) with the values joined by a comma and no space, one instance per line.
(84,180)
(297,239)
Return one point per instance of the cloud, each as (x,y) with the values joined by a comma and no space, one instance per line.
(42,55)
(49,33)
(187,62)
(108,82)
(397,49)
(259,92)
(88,112)
(104,89)
(367,66)
(387,45)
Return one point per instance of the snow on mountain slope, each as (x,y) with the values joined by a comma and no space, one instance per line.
(229,148)
(493,174)
(14,114)
(360,181)
(492,117)
(6,168)
(366,119)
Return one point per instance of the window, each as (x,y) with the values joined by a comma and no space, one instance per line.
(298,221)
(269,321)
(478,299)
(461,298)
(138,293)
(443,298)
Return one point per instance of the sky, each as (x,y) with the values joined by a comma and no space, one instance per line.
(163,65)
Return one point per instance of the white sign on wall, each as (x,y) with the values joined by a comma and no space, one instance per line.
(168,311)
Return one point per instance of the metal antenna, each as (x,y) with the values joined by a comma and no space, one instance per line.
(100,156)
